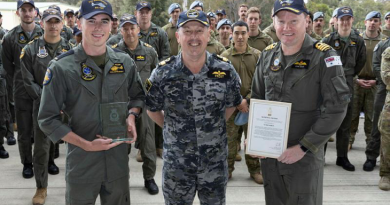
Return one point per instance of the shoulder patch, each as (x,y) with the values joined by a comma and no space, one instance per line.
(164,62)
(147,45)
(327,35)
(114,46)
(322,46)
(270,47)
(70,52)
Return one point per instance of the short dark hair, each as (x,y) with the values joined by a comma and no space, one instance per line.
(311,16)
(240,23)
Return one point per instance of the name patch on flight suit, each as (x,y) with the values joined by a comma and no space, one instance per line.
(275,67)
(42,52)
(87,73)
(148,85)
(353,43)
(22,38)
(64,50)
(219,74)
(301,64)
(140,58)
(48,76)
(117,68)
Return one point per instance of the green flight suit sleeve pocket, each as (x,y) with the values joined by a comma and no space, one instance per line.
(340,90)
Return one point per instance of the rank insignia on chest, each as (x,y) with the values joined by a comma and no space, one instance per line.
(140,58)
(42,52)
(22,38)
(219,74)
(301,64)
(153,34)
(337,44)
(117,68)
(87,73)
(353,43)
(64,50)
(148,85)
(48,76)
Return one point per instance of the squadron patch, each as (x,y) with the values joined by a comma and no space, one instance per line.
(117,68)
(148,85)
(333,61)
(276,65)
(48,76)
(87,73)
(42,52)
(301,64)
(22,53)
(219,74)
(337,44)
(140,58)
(22,38)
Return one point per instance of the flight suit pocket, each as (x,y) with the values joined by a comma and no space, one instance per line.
(340,90)
(269,88)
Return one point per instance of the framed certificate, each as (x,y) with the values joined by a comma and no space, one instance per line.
(268,126)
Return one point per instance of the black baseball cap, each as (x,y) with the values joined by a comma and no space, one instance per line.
(22,2)
(143,4)
(221,11)
(344,11)
(76,31)
(68,11)
(192,15)
(295,6)
(128,18)
(51,13)
(88,9)
(211,15)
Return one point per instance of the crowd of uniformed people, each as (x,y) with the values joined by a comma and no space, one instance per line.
(58,69)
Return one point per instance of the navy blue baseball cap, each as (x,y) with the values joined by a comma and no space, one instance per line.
(88,9)
(76,31)
(143,4)
(196,4)
(344,11)
(295,6)
(68,11)
(373,14)
(221,11)
(173,6)
(224,22)
(51,13)
(128,18)
(317,15)
(22,2)
(211,15)
(55,7)
(192,15)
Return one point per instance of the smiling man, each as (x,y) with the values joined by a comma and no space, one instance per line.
(309,75)
(103,89)
(34,60)
(191,96)
(13,43)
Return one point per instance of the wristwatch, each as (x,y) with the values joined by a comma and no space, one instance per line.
(304,149)
(136,115)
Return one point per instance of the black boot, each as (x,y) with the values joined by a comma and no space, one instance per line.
(53,169)
(11,140)
(151,186)
(3,154)
(369,165)
(344,162)
(56,150)
(28,171)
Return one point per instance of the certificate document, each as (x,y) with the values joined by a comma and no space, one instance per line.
(268,128)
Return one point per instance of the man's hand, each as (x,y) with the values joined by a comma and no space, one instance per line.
(366,83)
(101,144)
(243,107)
(131,130)
(291,155)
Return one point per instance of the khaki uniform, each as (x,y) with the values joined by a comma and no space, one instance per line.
(13,42)
(157,38)
(353,57)
(170,29)
(322,35)
(88,87)
(244,64)
(315,36)
(384,121)
(270,31)
(67,33)
(34,61)
(260,42)
(363,99)
(319,96)
(385,31)
(373,145)
(215,34)
(214,46)
(145,58)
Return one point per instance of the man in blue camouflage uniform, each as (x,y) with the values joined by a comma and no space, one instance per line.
(191,96)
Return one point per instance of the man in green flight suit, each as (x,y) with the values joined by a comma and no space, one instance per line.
(174,11)
(146,60)
(309,75)
(34,60)
(66,32)
(103,96)
(244,59)
(352,51)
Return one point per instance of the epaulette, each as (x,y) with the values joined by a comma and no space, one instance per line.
(70,52)
(322,46)
(147,45)
(71,44)
(32,41)
(270,47)
(385,38)
(327,35)
(114,46)
(361,34)
(221,58)
(164,62)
